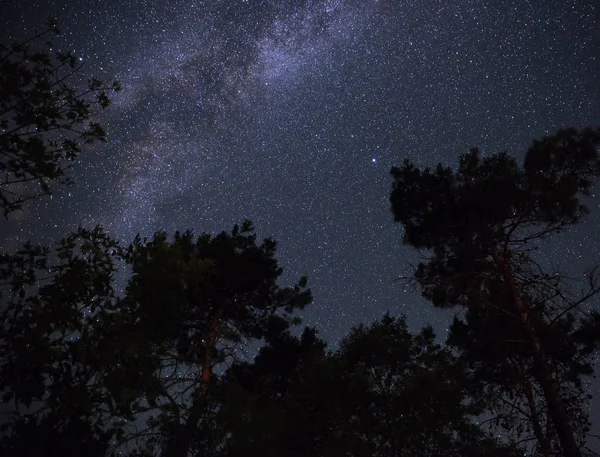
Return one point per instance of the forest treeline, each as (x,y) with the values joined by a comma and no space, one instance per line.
(159,366)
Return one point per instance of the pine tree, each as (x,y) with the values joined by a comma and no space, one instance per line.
(481,225)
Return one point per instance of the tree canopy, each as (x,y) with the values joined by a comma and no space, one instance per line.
(384,392)
(72,348)
(46,114)
(521,323)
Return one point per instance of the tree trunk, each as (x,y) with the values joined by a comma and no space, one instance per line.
(180,445)
(545,447)
(543,372)
(556,409)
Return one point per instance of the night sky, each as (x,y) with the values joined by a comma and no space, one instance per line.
(291,114)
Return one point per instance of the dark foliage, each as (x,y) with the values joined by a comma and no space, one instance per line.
(45,117)
(77,354)
(522,325)
(386,392)
(199,300)
(61,341)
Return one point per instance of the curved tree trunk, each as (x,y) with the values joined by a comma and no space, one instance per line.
(181,443)
(543,372)
(545,447)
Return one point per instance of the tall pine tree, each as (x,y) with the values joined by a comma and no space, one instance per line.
(481,225)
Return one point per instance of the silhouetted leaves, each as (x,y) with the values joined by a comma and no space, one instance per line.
(72,347)
(385,392)
(481,225)
(45,117)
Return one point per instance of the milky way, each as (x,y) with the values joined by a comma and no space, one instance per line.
(196,89)
(292,113)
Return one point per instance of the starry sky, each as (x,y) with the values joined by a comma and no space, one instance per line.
(291,113)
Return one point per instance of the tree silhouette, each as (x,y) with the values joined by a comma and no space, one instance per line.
(196,302)
(420,399)
(45,117)
(61,344)
(77,355)
(482,225)
(284,401)
(385,392)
